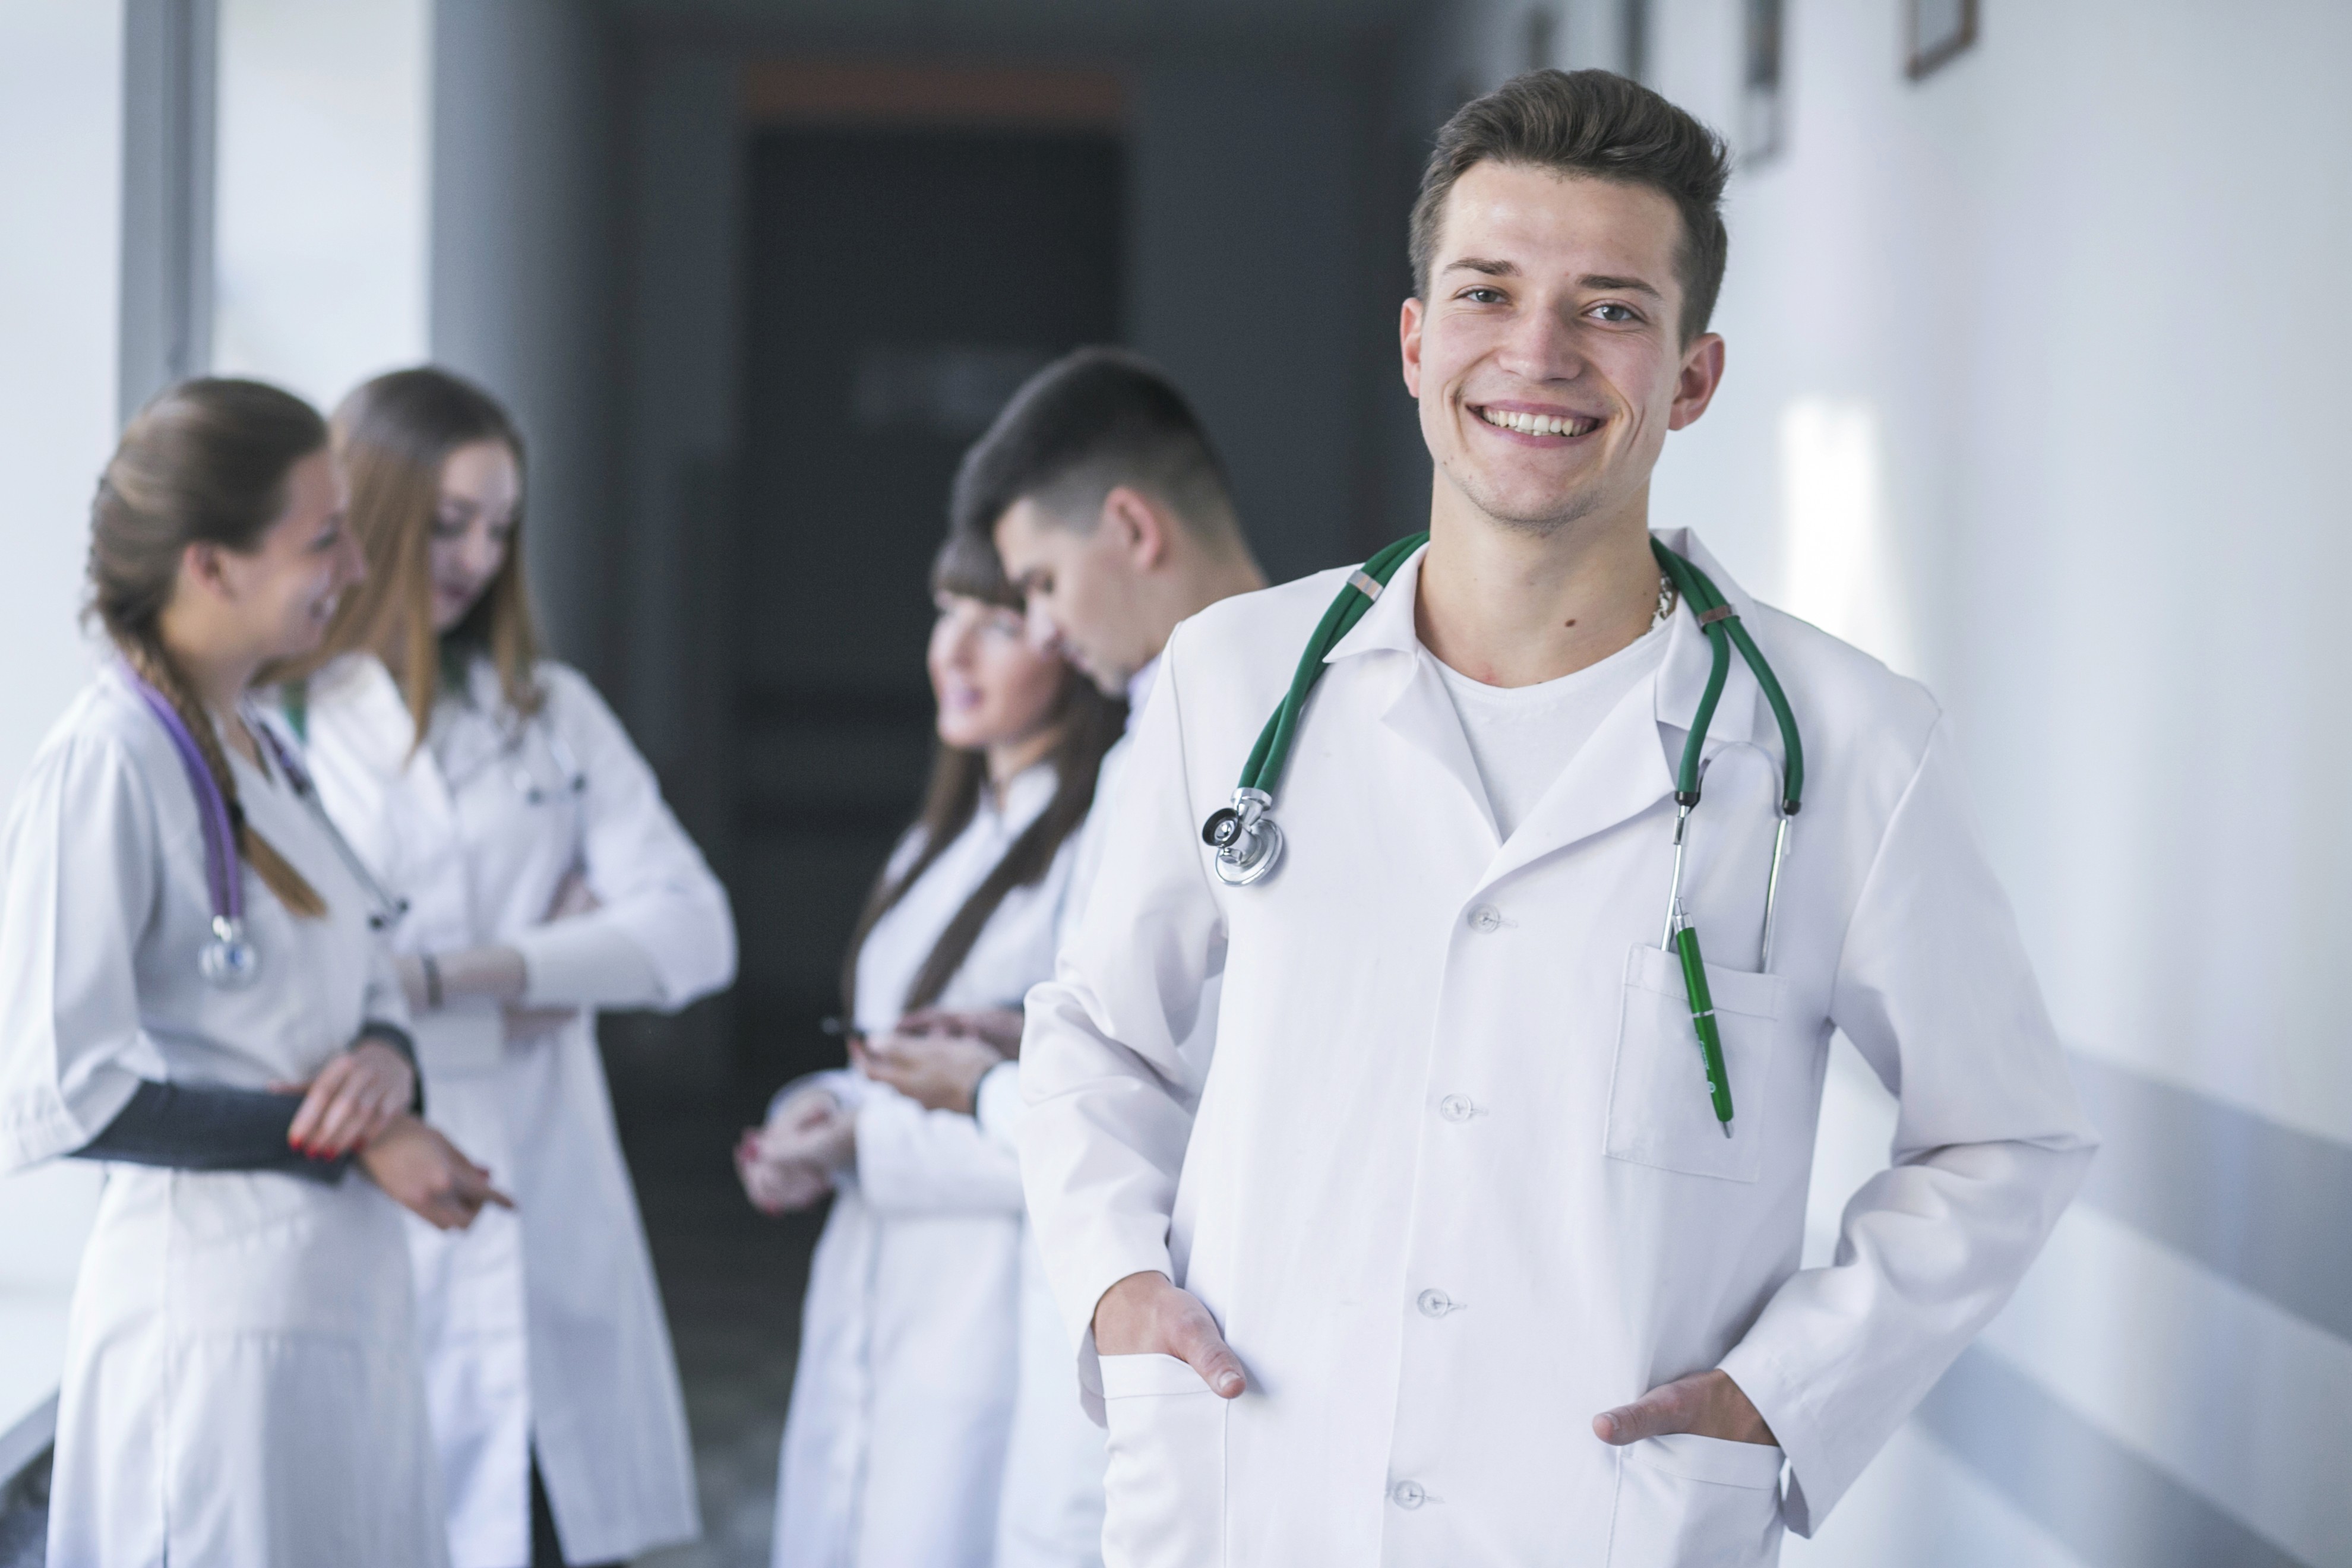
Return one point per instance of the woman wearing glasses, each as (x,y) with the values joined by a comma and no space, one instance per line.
(494,792)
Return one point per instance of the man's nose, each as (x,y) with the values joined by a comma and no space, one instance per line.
(1542,344)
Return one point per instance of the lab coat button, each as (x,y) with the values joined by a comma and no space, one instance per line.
(1456,1108)
(1407,1494)
(1433,1303)
(1485,918)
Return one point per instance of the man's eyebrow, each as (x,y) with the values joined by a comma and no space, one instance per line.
(1619,285)
(1492,268)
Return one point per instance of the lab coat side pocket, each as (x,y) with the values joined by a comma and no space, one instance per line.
(1687,1501)
(1660,1110)
(1164,1490)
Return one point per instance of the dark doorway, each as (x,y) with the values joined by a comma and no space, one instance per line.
(898,286)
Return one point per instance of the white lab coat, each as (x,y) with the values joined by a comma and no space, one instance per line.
(894,1446)
(241,1380)
(1451,1182)
(542,1327)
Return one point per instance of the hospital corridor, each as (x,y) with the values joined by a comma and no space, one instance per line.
(1168,784)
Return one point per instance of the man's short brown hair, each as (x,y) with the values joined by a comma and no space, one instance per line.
(1601,125)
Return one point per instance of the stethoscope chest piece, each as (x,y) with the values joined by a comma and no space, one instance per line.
(229,960)
(1246,840)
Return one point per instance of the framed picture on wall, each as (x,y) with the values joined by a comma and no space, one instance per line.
(1938,32)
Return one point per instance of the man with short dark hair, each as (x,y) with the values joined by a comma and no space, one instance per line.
(1471,1233)
(1098,487)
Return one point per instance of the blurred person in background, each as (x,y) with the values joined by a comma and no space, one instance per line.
(1099,488)
(185,948)
(895,1445)
(545,878)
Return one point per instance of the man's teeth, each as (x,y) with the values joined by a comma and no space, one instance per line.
(1536,424)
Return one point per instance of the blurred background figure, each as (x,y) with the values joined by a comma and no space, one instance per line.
(895,1449)
(241,1383)
(493,791)
(2010,283)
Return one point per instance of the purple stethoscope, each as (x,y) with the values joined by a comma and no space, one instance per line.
(229,960)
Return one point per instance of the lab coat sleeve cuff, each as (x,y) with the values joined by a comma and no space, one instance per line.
(585,962)
(1818,1474)
(997,1104)
(67,1122)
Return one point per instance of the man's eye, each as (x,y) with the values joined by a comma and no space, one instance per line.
(1613,312)
(1483,296)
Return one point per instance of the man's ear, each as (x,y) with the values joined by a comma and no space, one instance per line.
(1695,384)
(1143,528)
(1408,344)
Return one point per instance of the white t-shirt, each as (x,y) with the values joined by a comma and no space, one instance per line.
(1523,737)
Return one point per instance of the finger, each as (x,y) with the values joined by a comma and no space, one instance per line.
(340,1128)
(1199,1346)
(316,1101)
(1654,1415)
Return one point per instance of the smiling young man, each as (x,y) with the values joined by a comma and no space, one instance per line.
(1445,1249)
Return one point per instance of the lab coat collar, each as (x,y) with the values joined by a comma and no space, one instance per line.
(1388,626)
(356,688)
(1628,765)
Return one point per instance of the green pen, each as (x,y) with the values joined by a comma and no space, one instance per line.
(1682,937)
(1710,1038)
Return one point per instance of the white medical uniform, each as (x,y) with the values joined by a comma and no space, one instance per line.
(1051,1512)
(1451,1182)
(542,1326)
(241,1380)
(894,1448)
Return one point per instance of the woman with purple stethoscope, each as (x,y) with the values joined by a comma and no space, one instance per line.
(192,991)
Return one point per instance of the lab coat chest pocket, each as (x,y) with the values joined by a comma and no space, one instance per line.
(1687,1501)
(1660,1112)
(1165,1485)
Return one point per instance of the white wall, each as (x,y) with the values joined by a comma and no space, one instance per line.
(321,196)
(2033,392)
(60,190)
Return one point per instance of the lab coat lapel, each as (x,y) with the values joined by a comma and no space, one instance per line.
(382,733)
(1417,709)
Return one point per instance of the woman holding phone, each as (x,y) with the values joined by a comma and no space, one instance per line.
(545,879)
(189,991)
(894,1445)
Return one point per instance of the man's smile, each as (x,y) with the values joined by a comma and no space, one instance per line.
(1536,424)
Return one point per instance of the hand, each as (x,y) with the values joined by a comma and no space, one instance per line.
(573,896)
(1000,1027)
(940,1072)
(423,1173)
(789,1164)
(352,1101)
(1144,1314)
(1705,1403)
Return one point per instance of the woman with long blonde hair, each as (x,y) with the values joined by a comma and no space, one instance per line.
(491,788)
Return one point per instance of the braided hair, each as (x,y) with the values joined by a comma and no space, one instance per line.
(205,463)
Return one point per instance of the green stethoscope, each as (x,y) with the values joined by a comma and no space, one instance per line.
(1248,844)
